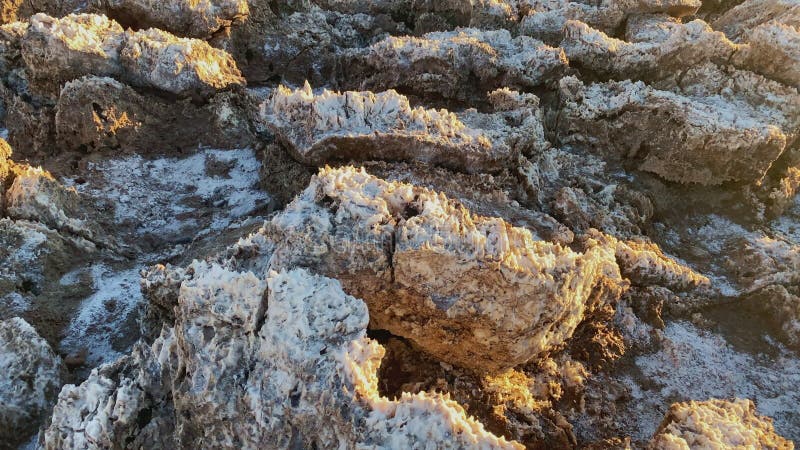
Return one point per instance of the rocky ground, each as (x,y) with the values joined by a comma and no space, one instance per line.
(399,224)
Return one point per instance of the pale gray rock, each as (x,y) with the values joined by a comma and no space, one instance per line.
(270,361)
(655,47)
(746,16)
(436,274)
(682,139)
(36,196)
(545,19)
(30,382)
(463,64)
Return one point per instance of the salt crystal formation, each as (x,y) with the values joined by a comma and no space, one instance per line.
(58,50)
(467,60)
(361,224)
(383,126)
(262,375)
(31,378)
(716,423)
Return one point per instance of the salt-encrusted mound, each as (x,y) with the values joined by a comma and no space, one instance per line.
(188,18)
(773,49)
(461,64)
(683,139)
(304,46)
(717,424)
(657,47)
(738,21)
(546,19)
(36,196)
(366,126)
(278,360)
(30,381)
(5,170)
(60,50)
(645,264)
(435,273)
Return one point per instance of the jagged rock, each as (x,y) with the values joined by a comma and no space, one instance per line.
(679,138)
(94,113)
(302,43)
(36,196)
(365,126)
(782,306)
(576,189)
(299,371)
(645,264)
(462,64)
(403,249)
(59,50)
(717,424)
(545,20)
(31,380)
(751,95)
(195,19)
(492,195)
(658,47)
(737,22)
(304,46)
(34,256)
(769,271)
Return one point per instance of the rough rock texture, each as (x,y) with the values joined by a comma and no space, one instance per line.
(462,64)
(60,50)
(580,191)
(291,346)
(703,143)
(196,19)
(717,424)
(546,19)
(749,14)
(36,196)
(654,47)
(98,113)
(30,383)
(396,246)
(366,126)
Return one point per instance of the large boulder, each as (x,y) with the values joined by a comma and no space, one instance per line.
(30,382)
(681,138)
(433,272)
(362,126)
(278,360)
(59,50)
